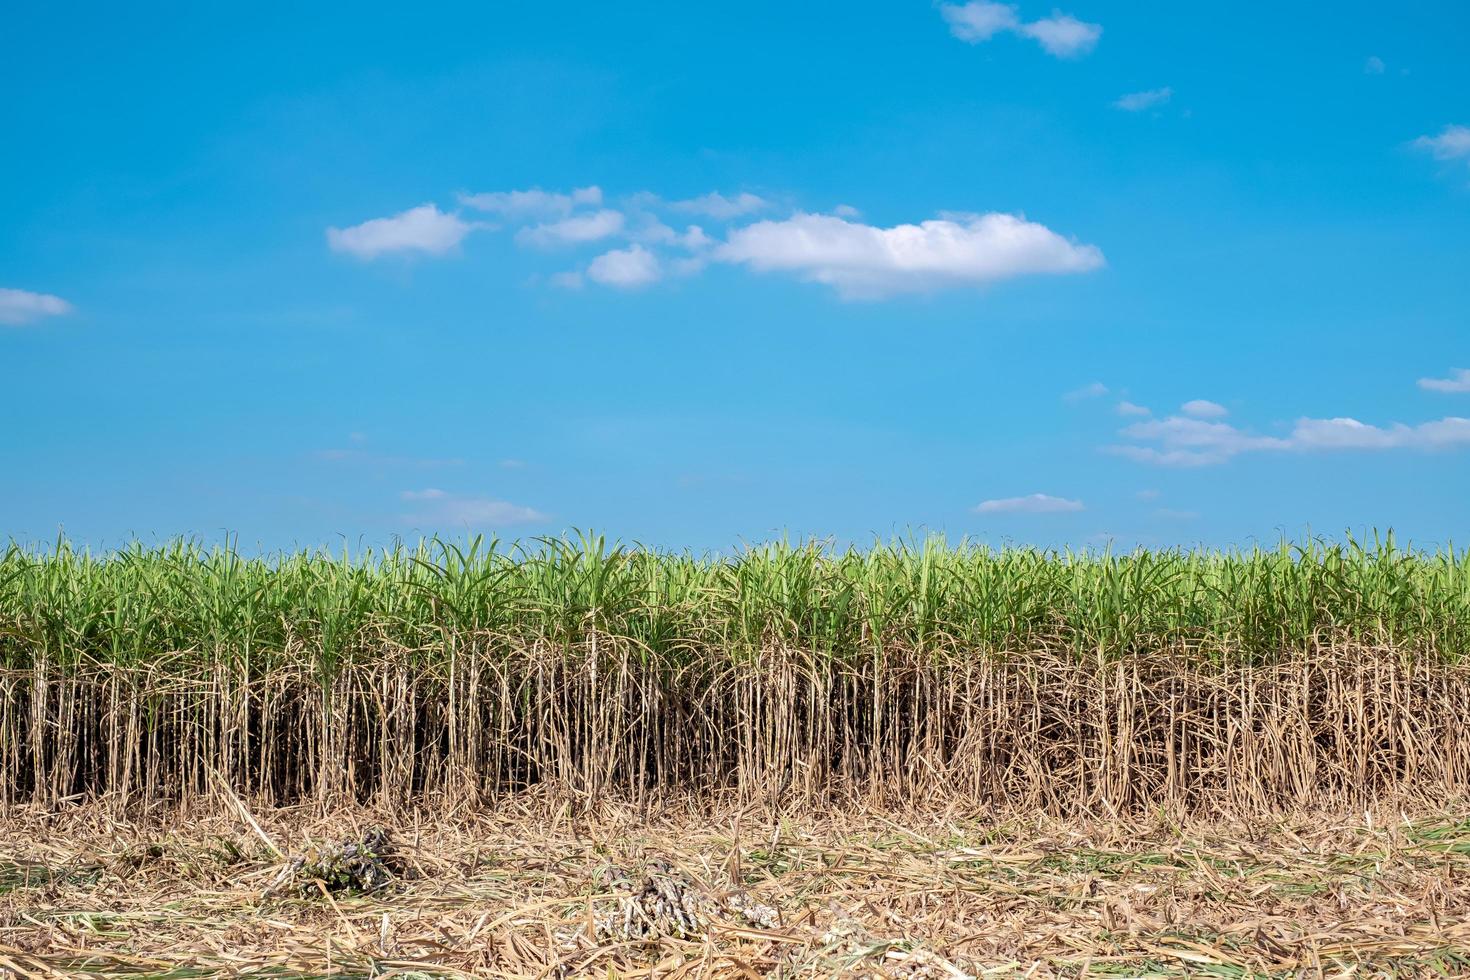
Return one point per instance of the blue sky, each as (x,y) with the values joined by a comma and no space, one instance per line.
(692,275)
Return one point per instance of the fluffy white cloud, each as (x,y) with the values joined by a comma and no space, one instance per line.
(421,229)
(1452,143)
(858,259)
(625,268)
(695,239)
(720,207)
(1139,101)
(979,20)
(534,203)
(1202,409)
(19,307)
(1061,35)
(575,230)
(1458,381)
(445,509)
(1036,503)
(1128,408)
(1181,441)
(863,261)
(655,232)
(1344,433)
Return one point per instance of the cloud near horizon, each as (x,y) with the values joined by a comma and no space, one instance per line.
(574,230)
(19,307)
(1060,35)
(1202,408)
(1452,143)
(866,262)
(1186,442)
(720,207)
(441,508)
(626,268)
(1036,503)
(859,260)
(1457,382)
(1139,101)
(422,229)
(533,203)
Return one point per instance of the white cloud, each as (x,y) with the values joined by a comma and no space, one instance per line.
(1453,143)
(1095,390)
(695,239)
(655,232)
(1061,35)
(575,230)
(847,211)
(979,20)
(1190,442)
(863,261)
(626,268)
(859,260)
(421,229)
(1036,503)
(1202,409)
(443,509)
(19,307)
(1345,433)
(1128,408)
(1139,101)
(1374,65)
(720,207)
(1181,441)
(1458,381)
(534,203)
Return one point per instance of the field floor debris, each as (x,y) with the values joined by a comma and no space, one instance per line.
(514,893)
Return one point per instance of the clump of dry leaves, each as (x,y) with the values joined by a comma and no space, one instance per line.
(664,901)
(362,864)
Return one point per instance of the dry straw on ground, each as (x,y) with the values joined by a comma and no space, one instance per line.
(699,894)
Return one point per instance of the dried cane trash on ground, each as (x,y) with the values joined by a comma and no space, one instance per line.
(694,894)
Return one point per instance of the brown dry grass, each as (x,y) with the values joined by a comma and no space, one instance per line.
(518,891)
